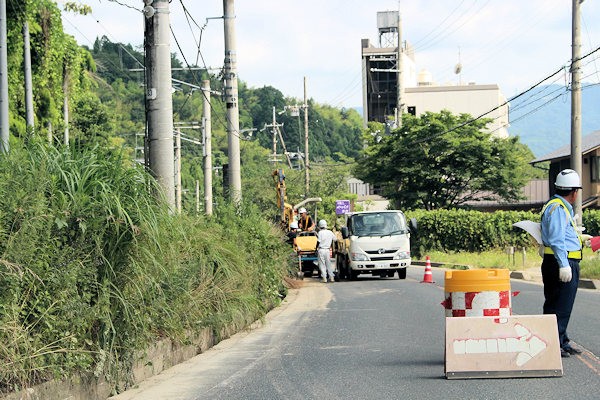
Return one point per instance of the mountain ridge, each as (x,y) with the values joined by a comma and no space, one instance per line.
(542,117)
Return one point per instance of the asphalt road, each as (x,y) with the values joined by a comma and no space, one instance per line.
(368,339)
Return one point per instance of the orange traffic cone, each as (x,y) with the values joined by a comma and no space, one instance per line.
(428,277)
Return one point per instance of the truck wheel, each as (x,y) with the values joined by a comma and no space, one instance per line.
(402,273)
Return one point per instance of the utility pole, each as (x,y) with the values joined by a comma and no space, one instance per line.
(277,133)
(399,104)
(178,170)
(28,85)
(66,107)
(197,196)
(207,149)
(273,124)
(576,101)
(159,106)
(4,134)
(306,161)
(231,102)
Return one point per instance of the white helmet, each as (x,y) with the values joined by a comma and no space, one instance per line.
(567,179)
(302,210)
(322,224)
(294,225)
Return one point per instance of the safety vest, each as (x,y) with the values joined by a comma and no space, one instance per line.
(576,254)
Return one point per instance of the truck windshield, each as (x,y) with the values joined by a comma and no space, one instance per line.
(377,224)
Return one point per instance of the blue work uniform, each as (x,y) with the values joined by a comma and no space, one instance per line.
(562,248)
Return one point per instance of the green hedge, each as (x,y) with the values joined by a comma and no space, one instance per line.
(475,231)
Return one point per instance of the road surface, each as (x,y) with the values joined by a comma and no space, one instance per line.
(368,339)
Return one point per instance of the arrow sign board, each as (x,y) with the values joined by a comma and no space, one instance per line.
(502,347)
(342,207)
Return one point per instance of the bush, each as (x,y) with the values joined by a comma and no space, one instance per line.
(473,231)
(94,267)
(476,231)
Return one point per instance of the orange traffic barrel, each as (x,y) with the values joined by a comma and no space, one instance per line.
(477,292)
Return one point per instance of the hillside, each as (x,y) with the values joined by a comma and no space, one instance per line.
(542,118)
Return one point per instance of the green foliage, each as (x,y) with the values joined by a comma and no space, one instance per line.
(591,221)
(471,231)
(93,267)
(93,121)
(438,160)
(77,8)
(114,60)
(475,231)
(59,66)
(332,132)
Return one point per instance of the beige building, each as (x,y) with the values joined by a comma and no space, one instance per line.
(475,100)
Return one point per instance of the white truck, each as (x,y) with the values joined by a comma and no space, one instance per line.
(376,243)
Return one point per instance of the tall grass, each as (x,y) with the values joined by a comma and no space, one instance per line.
(93,266)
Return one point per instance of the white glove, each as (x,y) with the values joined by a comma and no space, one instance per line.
(564,274)
(587,240)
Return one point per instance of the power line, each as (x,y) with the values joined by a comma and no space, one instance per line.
(219,119)
(125,5)
(439,25)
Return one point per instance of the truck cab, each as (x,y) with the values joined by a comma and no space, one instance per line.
(375,243)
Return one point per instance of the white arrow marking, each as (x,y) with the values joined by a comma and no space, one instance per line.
(525,344)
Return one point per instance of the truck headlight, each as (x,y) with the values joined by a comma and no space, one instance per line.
(401,255)
(359,257)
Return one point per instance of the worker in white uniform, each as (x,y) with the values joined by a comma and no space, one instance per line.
(325,239)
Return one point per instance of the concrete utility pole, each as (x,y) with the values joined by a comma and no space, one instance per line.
(306,161)
(231,102)
(399,104)
(207,149)
(159,105)
(4,134)
(197,196)
(576,101)
(178,171)
(66,108)
(28,85)
(274,130)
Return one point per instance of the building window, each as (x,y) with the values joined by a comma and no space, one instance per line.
(595,168)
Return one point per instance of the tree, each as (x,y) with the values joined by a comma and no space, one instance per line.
(59,66)
(441,160)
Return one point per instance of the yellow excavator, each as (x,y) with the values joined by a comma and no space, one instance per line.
(305,243)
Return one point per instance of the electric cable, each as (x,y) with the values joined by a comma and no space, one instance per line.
(503,104)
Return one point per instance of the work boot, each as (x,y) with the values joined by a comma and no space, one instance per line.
(571,350)
(564,353)
(324,280)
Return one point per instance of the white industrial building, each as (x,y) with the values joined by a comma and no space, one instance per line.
(473,99)
(420,93)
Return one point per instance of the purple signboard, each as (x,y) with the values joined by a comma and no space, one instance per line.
(342,207)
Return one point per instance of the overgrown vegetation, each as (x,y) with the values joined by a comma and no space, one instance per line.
(93,267)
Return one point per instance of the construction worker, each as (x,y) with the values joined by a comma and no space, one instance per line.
(562,252)
(291,235)
(305,222)
(325,239)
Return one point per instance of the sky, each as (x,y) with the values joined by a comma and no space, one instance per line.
(511,43)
